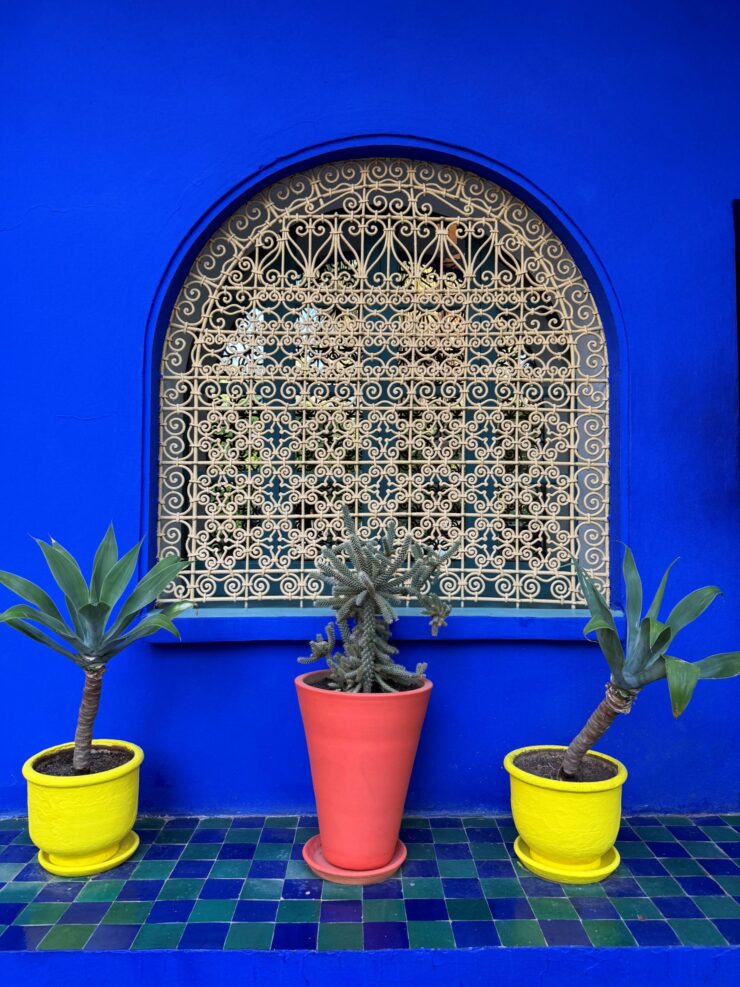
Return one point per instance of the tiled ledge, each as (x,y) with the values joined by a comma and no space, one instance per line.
(233,884)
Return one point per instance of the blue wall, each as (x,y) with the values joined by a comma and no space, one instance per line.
(129,125)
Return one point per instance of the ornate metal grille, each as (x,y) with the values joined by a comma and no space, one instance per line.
(402,337)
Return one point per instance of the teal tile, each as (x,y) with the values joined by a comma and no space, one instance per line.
(674,820)
(215,822)
(21,891)
(174,836)
(160,935)
(430,935)
(298,911)
(501,887)
(298,870)
(480,822)
(449,835)
(258,887)
(272,851)
(200,851)
(250,935)
(520,932)
(697,932)
(729,884)
(639,909)
(66,937)
(243,836)
(213,910)
(545,908)
(128,912)
(415,822)
(157,870)
(340,935)
(13,822)
(281,822)
(422,887)
(489,851)
(41,913)
(721,834)
(584,890)
(8,871)
(732,819)
(659,886)
(682,867)
(457,868)
(149,822)
(340,892)
(181,889)
(718,906)
(608,932)
(633,850)
(469,909)
(305,833)
(230,868)
(420,851)
(383,910)
(703,849)
(100,891)
(659,833)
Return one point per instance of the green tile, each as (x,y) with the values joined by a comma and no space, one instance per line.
(304,833)
(154,870)
(422,887)
(655,833)
(489,851)
(181,889)
(674,821)
(633,849)
(480,822)
(22,891)
(298,911)
(501,887)
(340,935)
(468,909)
(420,851)
(415,822)
(509,833)
(213,910)
(127,912)
(383,910)
(457,868)
(729,884)
(718,906)
(721,834)
(230,868)
(160,935)
(659,886)
(149,822)
(584,890)
(281,822)
(272,851)
(215,822)
(697,932)
(23,839)
(431,935)
(174,836)
(702,849)
(100,891)
(66,937)
(200,851)
(520,932)
(682,867)
(449,835)
(8,871)
(636,908)
(250,935)
(14,822)
(262,887)
(732,819)
(243,836)
(297,870)
(553,908)
(340,892)
(608,932)
(41,913)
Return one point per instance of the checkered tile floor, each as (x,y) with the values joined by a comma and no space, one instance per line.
(240,883)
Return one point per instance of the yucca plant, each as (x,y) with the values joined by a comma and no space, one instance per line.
(644,657)
(93,635)
(369,578)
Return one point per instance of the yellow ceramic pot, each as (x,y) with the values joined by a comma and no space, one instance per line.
(82,824)
(566,829)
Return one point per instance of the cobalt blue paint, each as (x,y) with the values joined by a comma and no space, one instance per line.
(134,130)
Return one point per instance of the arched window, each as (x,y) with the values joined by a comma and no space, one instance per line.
(403,337)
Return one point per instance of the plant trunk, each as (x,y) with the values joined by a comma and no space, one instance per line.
(614,702)
(85,720)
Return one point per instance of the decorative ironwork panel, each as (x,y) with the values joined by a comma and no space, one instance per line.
(402,337)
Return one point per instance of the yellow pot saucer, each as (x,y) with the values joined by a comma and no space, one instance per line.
(128,845)
(561,872)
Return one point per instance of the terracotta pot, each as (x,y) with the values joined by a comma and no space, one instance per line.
(361,748)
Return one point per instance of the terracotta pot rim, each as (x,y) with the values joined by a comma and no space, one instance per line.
(302,683)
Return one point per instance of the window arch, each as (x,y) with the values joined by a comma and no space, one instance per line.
(403,337)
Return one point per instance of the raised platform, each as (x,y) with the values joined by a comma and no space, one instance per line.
(239,885)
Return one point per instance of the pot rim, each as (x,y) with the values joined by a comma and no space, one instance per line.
(302,683)
(82,781)
(579,787)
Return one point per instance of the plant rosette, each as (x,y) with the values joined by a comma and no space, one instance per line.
(82,823)
(567,829)
(361,748)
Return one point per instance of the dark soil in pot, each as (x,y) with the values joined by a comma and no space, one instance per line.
(547,763)
(103,759)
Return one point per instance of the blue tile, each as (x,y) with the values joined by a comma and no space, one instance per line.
(268,868)
(720,866)
(445,822)
(192,868)
(302,889)
(208,836)
(416,835)
(708,821)
(121,873)
(452,851)
(729,927)
(84,913)
(32,872)
(169,911)
(386,889)
(341,911)
(593,906)
(255,910)
(564,932)
(468,935)
(731,849)
(688,833)
(295,935)
(627,834)
(510,908)
(462,887)
(181,822)
(536,888)
(17,854)
(248,822)
(645,867)
(277,835)
(204,935)
(653,933)
(495,868)
(678,906)
(308,821)
(664,849)
(296,851)
(386,935)
(163,851)
(699,885)
(9,910)
(426,910)
(138,890)
(59,891)
(620,887)
(237,851)
(8,835)
(20,937)
(420,868)
(147,836)
(221,888)
(643,821)
(484,835)
(112,937)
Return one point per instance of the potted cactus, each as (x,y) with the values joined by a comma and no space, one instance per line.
(363,714)
(566,801)
(83,796)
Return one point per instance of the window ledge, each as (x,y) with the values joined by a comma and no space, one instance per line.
(203,626)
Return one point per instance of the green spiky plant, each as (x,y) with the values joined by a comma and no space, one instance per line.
(91,638)
(644,658)
(370,578)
